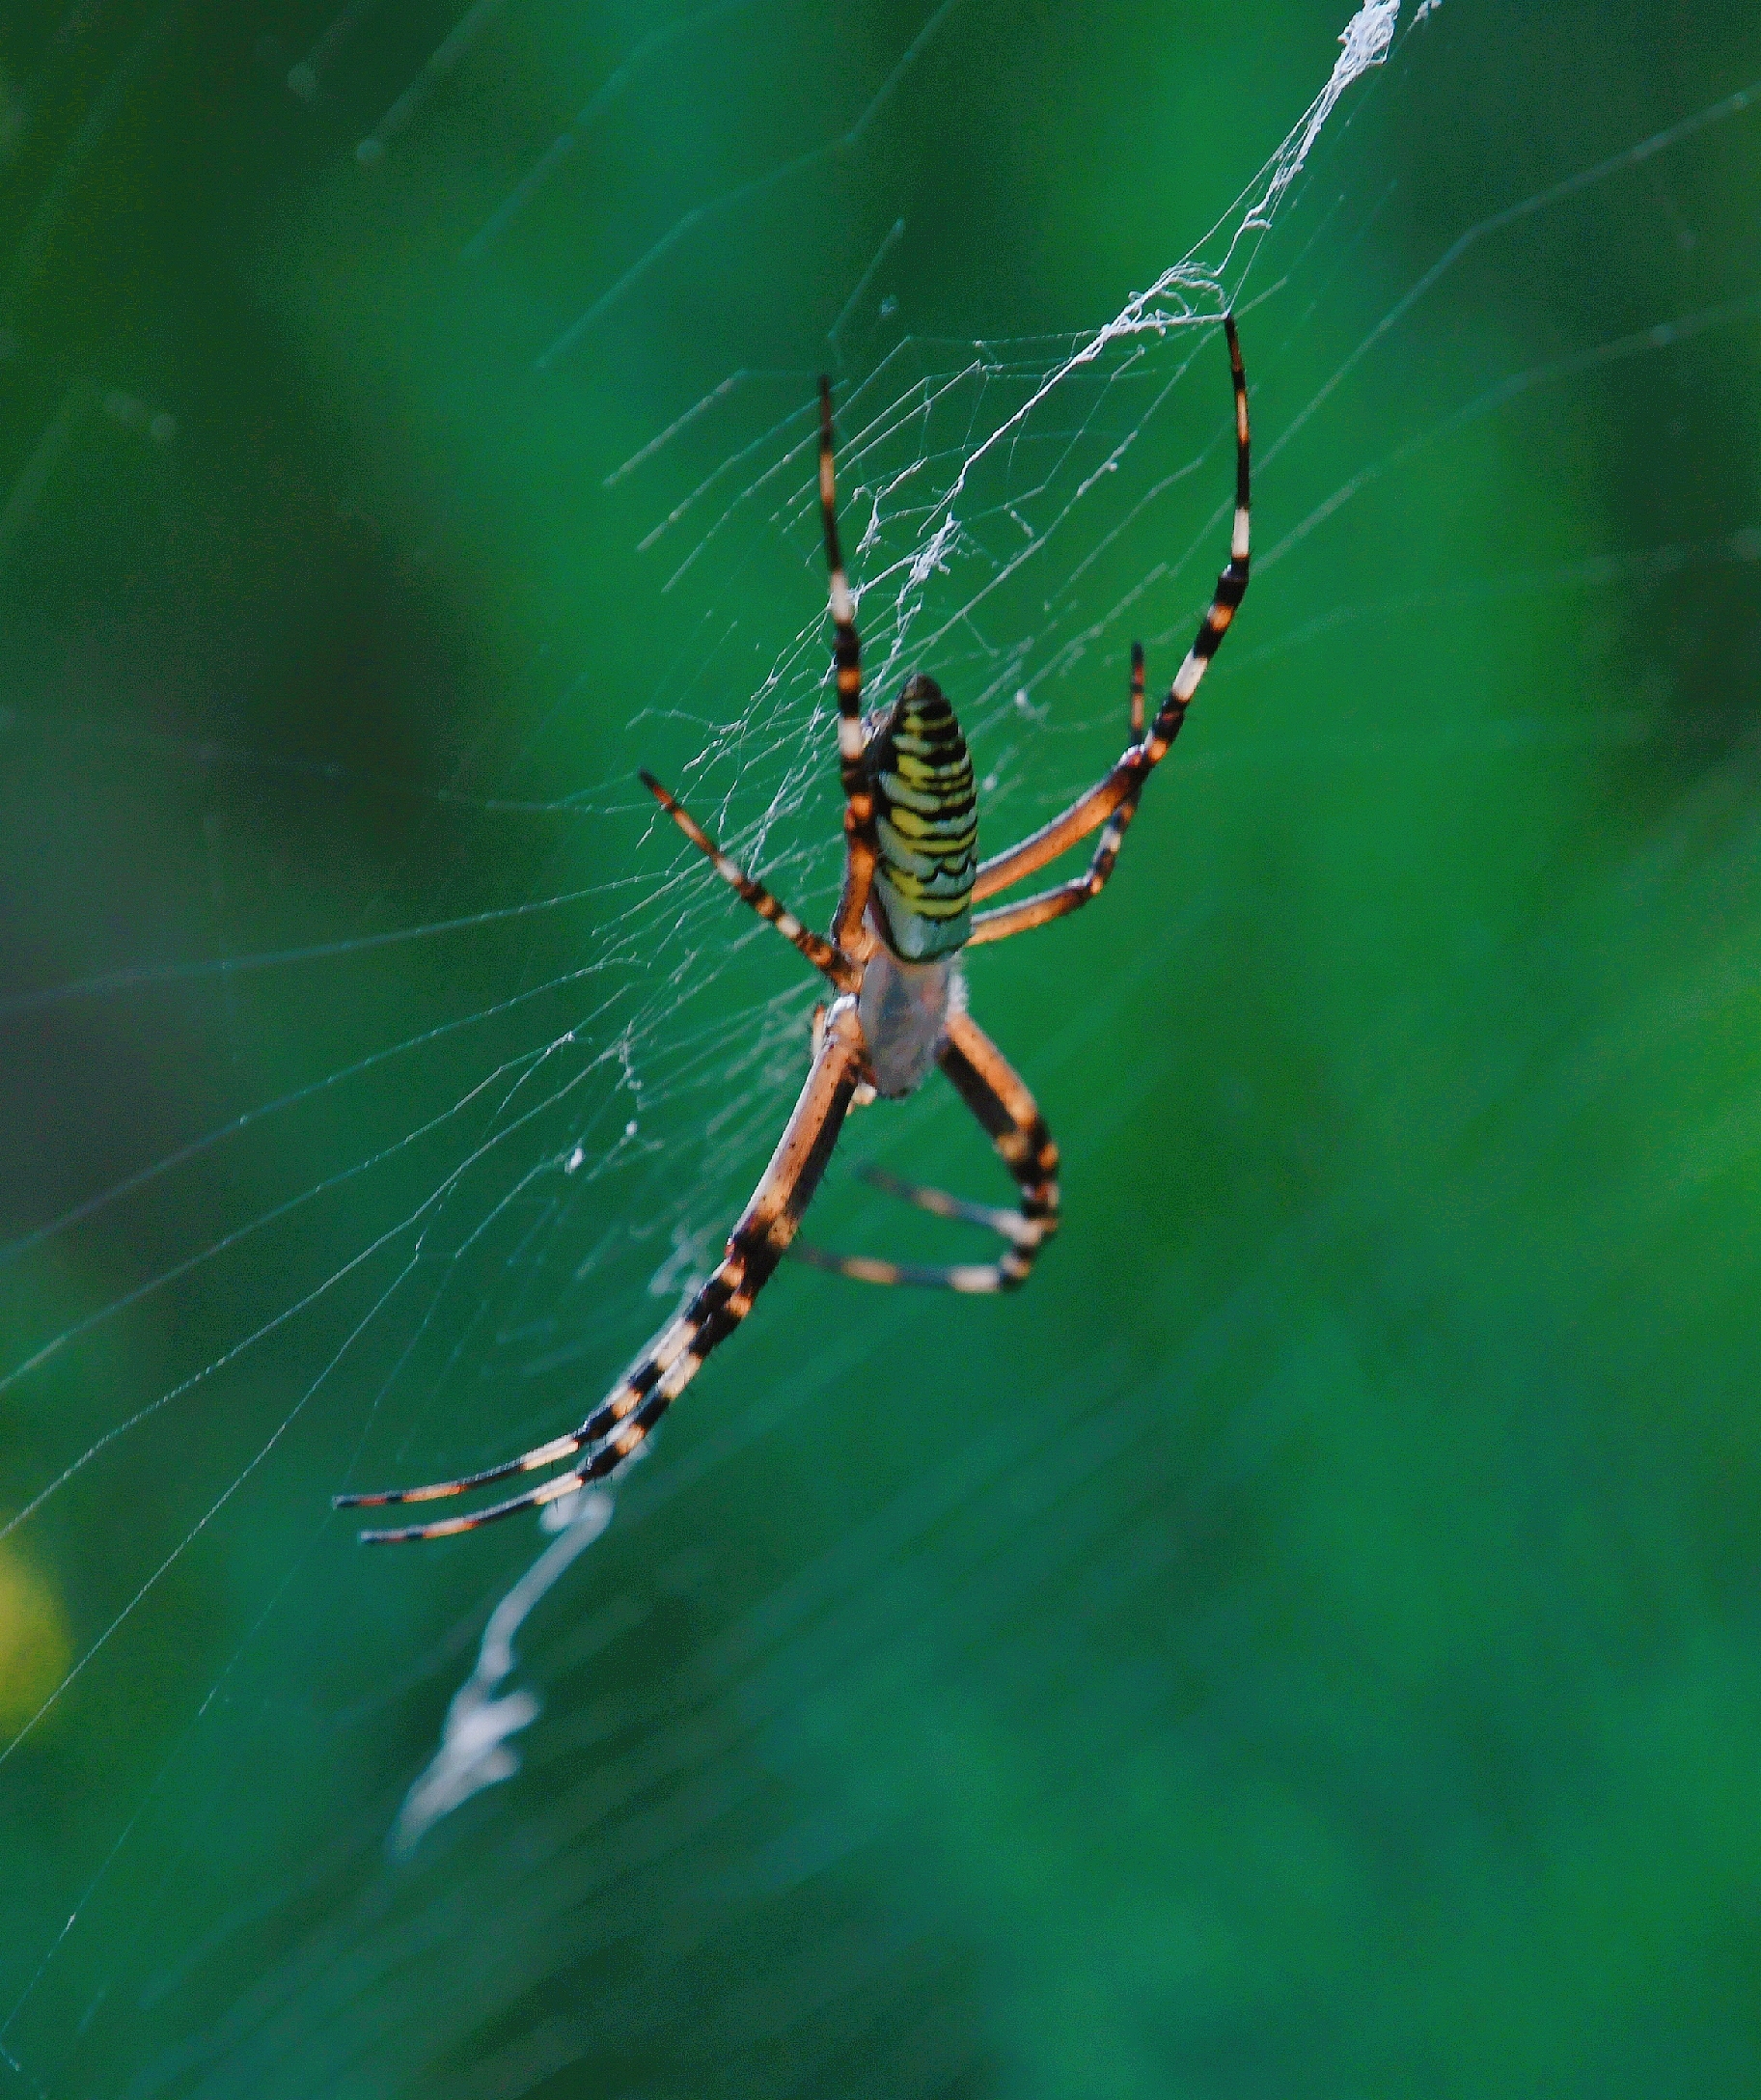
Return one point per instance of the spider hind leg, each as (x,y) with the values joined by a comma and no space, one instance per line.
(1113,800)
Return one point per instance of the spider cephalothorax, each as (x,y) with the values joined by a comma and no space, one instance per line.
(892,958)
(926,822)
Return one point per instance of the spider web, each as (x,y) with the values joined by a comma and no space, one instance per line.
(434,1086)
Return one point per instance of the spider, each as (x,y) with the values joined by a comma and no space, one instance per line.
(905,912)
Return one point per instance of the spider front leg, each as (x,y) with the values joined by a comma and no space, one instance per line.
(623,1419)
(865,1096)
(999,1097)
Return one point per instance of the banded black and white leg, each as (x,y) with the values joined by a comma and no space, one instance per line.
(616,1429)
(1114,801)
(862,846)
(823,955)
(999,1097)
(1079,890)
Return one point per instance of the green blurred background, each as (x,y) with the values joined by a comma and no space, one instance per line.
(1308,1643)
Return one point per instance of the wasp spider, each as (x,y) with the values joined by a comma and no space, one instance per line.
(911,880)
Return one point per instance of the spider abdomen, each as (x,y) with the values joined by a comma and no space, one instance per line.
(927,824)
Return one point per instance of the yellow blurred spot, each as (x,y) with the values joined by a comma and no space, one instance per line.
(35,1649)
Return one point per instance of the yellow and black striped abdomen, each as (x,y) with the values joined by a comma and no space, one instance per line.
(926,816)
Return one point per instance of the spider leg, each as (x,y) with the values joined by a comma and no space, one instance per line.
(622,1421)
(1066,897)
(1008,1223)
(532,1461)
(862,847)
(865,1096)
(999,1097)
(821,953)
(1113,802)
